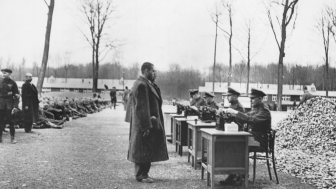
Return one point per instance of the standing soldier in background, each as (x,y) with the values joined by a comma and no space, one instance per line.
(306,95)
(9,100)
(125,97)
(197,100)
(30,103)
(113,94)
(209,98)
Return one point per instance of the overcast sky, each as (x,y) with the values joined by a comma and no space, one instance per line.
(158,31)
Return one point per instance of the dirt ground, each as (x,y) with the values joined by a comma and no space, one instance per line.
(91,153)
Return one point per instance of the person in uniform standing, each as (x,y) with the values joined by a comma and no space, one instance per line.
(258,121)
(197,100)
(306,95)
(9,101)
(209,99)
(30,103)
(147,140)
(113,94)
(125,97)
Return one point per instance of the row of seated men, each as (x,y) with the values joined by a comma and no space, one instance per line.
(257,121)
(54,112)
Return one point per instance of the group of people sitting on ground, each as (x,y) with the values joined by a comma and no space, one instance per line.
(54,111)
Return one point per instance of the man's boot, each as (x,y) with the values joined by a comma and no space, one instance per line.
(1,138)
(13,141)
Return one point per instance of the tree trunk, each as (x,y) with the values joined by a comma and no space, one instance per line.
(213,71)
(281,56)
(230,51)
(46,48)
(248,60)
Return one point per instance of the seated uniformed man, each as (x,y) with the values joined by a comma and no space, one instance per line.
(197,100)
(258,121)
(232,96)
(210,101)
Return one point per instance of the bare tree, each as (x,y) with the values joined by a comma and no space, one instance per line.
(247,57)
(46,46)
(238,70)
(332,16)
(289,7)
(325,27)
(228,34)
(21,68)
(214,17)
(66,63)
(97,12)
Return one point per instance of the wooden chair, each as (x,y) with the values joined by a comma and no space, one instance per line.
(262,153)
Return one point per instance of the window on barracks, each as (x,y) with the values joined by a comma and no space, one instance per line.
(265,98)
(274,98)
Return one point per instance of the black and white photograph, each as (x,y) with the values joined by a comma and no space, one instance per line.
(167,94)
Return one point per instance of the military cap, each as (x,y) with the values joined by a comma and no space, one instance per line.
(6,70)
(193,91)
(232,91)
(257,93)
(208,94)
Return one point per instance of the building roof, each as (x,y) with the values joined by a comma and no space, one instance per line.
(270,89)
(77,83)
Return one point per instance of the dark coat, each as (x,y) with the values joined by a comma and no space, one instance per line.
(8,89)
(259,122)
(213,104)
(239,107)
(30,99)
(146,103)
(198,102)
(129,108)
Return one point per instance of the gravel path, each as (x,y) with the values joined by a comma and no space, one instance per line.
(91,153)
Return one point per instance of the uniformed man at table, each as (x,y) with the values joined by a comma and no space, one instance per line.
(209,99)
(197,100)
(232,96)
(258,121)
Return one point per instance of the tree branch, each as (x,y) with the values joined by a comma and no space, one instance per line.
(46,3)
(271,22)
(292,7)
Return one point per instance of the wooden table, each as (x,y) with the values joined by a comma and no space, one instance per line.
(194,139)
(167,123)
(227,153)
(173,126)
(181,133)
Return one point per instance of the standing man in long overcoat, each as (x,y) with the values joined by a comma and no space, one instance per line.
(30,103)
(147,141)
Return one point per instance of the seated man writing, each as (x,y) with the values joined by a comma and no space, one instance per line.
(258,122)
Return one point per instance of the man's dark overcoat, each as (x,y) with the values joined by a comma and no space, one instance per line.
(8,89)
(129,108)
(146,102)
(30,99)
(258,121)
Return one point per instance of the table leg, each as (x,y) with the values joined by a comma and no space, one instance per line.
(194,142)
(188,142)
(202,156)
(212,163)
